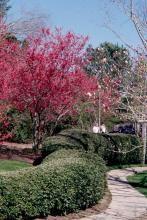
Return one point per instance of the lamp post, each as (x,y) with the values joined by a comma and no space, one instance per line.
(144,123)
(99,116)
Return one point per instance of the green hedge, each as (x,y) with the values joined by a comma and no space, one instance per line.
(103,144)
(123,143)
(66,181)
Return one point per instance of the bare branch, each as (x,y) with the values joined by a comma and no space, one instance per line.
(125,152)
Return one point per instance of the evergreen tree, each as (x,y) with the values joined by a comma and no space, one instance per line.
(4,7)
(108,60)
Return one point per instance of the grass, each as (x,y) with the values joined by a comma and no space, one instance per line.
(139,182)
(12,165)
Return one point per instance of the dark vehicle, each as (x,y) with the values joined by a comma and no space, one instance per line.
(127,128)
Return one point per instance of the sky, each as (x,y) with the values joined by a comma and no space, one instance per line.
(84,17)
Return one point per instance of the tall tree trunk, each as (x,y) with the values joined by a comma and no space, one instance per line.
(99,117)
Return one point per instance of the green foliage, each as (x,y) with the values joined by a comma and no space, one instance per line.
(22,132)
(122,143)
(66,181)
(111,121)
(102,144)
(65,123)
(108,60)
(21,126)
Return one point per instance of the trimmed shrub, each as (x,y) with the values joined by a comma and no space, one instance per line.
(73,139)
(66,181)
(104,145)
(122,143)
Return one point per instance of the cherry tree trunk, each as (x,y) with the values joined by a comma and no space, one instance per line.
(36,131)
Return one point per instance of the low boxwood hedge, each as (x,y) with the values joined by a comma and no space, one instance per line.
(66,181)
(104,145)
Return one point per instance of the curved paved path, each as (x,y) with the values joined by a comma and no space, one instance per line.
(127,203)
